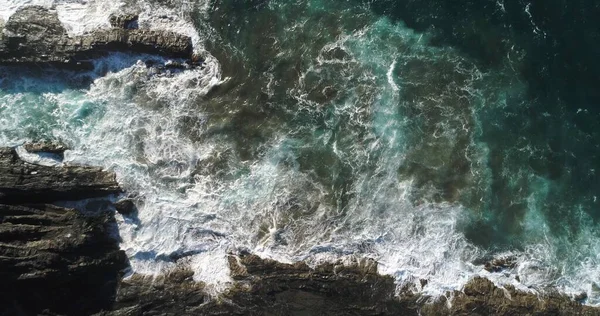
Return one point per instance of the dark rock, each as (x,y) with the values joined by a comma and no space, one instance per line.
(126,21)
(481,297)
(52,147)
(267,287)
(175,293)
(581,297)
(21,182)
(55,259)
(125,206)
(34,24)
(34,35)
(499,264)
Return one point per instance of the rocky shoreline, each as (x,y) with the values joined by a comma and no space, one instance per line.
(53,258)
(62,261)
(34,36)
(57,260)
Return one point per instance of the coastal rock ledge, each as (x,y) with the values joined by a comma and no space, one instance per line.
(34,35)
(62,261)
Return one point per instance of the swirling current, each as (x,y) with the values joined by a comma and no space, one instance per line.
(429,135)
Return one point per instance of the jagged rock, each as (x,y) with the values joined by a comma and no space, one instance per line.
(34,35)
(481,297)
(125,206)
(52,147)
(127,21)
(34,24)
(175,293)
(267,287)
(499,264)
(21,182)
(56,259)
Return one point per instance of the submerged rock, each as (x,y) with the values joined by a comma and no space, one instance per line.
(34,35)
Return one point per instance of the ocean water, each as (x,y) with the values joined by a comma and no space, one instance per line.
(429,135)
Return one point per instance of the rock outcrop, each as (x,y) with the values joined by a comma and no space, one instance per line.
(34,35)
(268,287)
(481,297)
(22,182)
(125,207)
(55,260)
(51,147)
(60,261)
(125,21)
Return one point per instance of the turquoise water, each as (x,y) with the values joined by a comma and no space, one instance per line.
(321,130)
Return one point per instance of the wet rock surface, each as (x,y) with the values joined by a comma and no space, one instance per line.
(61,261)
(125,206)
(22,182)
(125,21)
(481,297)
(52,147)
(34,35)
(55,260)
(267,287)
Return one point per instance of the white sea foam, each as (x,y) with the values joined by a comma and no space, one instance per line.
(41,159)
(130,121)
